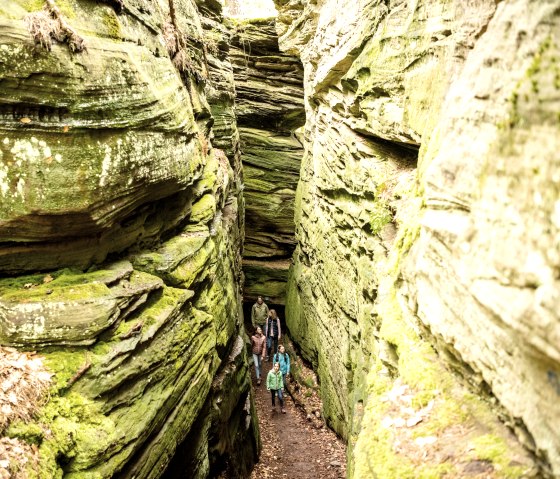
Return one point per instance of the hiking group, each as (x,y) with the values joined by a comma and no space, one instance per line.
(264,343)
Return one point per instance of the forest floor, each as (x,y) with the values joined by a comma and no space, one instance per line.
(296,445)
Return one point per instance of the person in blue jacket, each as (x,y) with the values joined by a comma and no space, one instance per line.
(283,359)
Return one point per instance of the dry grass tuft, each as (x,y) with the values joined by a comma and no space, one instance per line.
(43,28)
(222,158)
(183,62)
(224,164)
(17,458)
(170,38)
(180,53)
(24,382)
(204,144)
(211,46)
(48,25)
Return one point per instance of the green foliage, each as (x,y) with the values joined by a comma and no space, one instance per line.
(308,382)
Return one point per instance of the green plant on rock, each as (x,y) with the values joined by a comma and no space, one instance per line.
(111,22)
(308,382)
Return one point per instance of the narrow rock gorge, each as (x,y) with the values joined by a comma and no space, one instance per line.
(388,170)
(269,108)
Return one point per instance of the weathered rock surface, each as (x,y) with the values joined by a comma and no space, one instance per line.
(77,311)
(81,135)
(109,168)
(457,254)
(269,108)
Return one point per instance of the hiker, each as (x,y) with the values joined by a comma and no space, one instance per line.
(257,344)
(272,332)
(283,359)
(259,313)
(275,385)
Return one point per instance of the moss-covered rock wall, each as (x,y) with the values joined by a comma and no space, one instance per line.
(269,108)
(425,274)
(121,229)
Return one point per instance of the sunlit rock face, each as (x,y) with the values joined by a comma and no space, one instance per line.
(120,238)
(426,221)
(112,132)
(269,107)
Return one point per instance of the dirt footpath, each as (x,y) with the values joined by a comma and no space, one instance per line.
(292,447)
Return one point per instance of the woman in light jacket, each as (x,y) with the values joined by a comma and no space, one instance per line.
(257,343)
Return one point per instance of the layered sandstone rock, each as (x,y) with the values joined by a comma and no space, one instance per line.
(426,218)
(269,108)
(109,170)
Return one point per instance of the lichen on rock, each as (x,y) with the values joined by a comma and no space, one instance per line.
(420,151)
(120,239)
(270,110)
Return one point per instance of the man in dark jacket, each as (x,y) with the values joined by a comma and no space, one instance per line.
(259,313)
(272,332)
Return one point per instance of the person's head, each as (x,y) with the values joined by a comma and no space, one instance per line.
(272,314)
(259,300)
(282,349)
(258,330)
(276,367)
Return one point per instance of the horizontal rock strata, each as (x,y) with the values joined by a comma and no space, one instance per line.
(269,108)
(425,219)
(120,237)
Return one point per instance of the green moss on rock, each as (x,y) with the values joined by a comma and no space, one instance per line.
(380,215)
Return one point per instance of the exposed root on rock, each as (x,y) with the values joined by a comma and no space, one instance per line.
(181,52)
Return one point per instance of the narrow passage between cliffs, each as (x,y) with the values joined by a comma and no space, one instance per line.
(295,445)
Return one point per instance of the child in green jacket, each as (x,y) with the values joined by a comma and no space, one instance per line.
(275,385)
